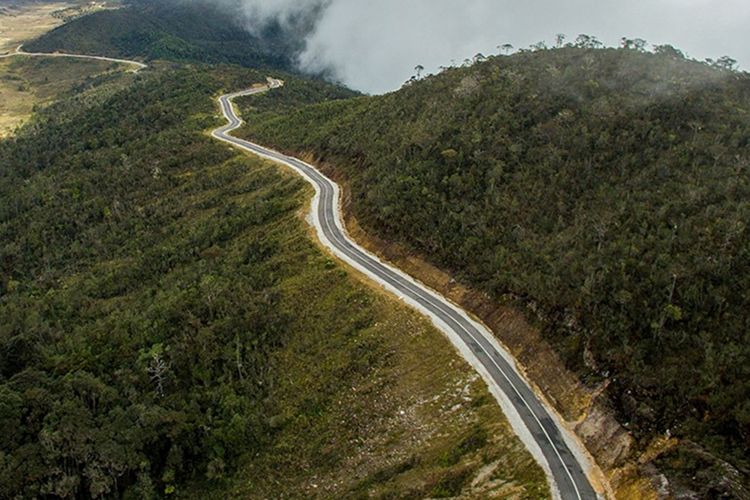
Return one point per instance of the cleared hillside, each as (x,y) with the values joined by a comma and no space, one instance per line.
(607,191)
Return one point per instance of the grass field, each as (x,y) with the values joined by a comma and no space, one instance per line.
(19,24)
(26,82)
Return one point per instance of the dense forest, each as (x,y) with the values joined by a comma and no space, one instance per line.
(178,30)
(608,190)
(604,190)
(168,328)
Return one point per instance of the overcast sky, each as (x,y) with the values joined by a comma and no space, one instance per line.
(374,45)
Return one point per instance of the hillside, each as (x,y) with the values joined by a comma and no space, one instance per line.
(24,20)
(607,193)
(168,327)
(28,82)
(179,31)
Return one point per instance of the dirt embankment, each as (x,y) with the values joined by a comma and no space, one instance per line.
(628,469)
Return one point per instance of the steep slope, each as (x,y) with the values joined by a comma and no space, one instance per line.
(607,191)
(168,327)
(177,30)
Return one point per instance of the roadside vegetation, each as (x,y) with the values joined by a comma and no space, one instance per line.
(168,328)
(605,190)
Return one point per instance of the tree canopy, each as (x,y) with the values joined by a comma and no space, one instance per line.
(607,189)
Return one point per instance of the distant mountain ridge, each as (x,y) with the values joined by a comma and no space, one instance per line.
(179,31)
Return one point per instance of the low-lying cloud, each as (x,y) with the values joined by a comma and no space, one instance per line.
(373,46)
(257,14)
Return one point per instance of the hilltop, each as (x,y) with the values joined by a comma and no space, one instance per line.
(602,192)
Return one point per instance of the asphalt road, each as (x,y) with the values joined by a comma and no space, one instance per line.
(567,475)
(472,339)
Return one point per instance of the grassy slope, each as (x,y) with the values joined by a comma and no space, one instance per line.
(129,237)
(26,82)
(608,189)
(23,21)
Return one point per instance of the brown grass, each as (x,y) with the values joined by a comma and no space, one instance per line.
(18,25)
(25,82)
(29,81)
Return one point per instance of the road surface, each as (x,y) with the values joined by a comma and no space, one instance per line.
(537,426)
(19,52)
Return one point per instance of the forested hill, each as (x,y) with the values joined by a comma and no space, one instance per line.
(162,306)
(609,189)
(177,30)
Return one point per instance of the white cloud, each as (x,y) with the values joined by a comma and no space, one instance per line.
(373,45)
(256,13)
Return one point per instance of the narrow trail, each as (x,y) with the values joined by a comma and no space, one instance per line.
(556,448)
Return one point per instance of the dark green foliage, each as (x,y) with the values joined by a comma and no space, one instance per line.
(609,189)
(177,30)
(294,94)
(450,485)
(118,331)
(143,295)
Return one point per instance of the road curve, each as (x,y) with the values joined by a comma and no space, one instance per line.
(537,427)
(19,52)
(556,450)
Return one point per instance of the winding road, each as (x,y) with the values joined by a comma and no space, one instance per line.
(554,447)
(19,52)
